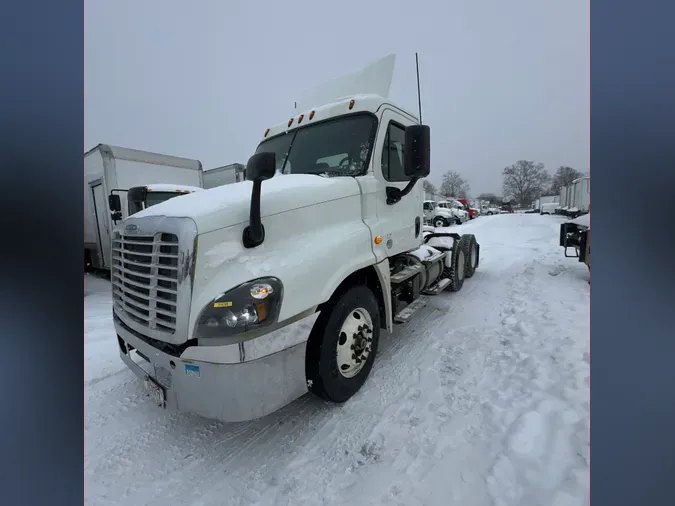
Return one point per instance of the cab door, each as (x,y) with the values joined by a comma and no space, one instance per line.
(400,223)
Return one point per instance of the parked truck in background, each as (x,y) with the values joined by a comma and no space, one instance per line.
(575,198)
(546,204)
(471,211)
(252,294)
(576,234)
(227,174)
(111,171)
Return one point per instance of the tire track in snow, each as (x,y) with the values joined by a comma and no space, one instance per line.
(311,450)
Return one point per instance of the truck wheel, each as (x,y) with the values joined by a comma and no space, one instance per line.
(458,221)
(472,255)
(458,262)
(342,346)
(440,222)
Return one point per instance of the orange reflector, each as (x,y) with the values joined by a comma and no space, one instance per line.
(261,309)
(351,104)
(266,132)
(311,115)
(290,122)
(300,118)
(378,239)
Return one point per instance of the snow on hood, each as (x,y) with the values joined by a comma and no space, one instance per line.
(229,205)
(165,187)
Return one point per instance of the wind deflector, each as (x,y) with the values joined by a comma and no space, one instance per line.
(375,78)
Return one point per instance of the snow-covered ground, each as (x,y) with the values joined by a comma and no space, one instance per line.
(481,399)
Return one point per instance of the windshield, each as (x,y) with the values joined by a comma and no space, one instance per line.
(151,199)
(339,147)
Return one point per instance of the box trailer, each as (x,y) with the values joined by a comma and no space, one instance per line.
(227,174)
(112,170)
(579,196)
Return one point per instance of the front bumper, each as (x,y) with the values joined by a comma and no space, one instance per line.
(229,392)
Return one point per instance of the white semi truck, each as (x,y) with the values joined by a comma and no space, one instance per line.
(235,302)
(121,181)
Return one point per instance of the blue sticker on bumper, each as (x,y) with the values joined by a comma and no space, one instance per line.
(192,370)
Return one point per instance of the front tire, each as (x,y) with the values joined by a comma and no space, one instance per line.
(343,344)
(440,222)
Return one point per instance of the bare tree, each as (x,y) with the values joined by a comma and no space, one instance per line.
(429,187)
(563,176)
(454,185)
(524,181)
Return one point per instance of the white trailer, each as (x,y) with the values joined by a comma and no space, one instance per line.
(579,196)
(112,170)
(227,174)
(251,294)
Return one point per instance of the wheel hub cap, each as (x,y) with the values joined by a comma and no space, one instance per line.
(354,342)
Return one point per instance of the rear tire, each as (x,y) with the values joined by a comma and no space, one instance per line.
(472,255)
(457,271)
(327,341)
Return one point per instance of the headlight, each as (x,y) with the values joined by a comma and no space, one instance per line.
(249,306)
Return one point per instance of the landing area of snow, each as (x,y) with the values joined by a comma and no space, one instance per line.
(481,399)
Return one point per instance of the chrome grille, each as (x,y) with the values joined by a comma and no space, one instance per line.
(145,279)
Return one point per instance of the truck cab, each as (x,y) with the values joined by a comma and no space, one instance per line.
(243,298)
(142,197)
(456,208)
(440,214)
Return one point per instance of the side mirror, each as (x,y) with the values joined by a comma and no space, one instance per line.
(114,203)
(116,215)
(417,155)
(261,166)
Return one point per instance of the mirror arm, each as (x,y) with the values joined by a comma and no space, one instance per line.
(394,195)
(254,233)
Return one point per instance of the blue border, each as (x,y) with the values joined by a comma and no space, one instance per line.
(41,218)
(632,303)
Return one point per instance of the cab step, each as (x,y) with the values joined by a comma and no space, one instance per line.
(405,313)
(438,287)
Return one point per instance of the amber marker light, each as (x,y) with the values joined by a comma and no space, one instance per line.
(378,240)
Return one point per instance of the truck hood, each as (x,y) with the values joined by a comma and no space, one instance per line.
(229,205)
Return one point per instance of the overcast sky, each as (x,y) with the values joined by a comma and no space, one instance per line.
(502,80)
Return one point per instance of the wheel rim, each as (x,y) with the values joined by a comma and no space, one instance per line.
(460,265)
(354,342)
(439,222)
(474,255)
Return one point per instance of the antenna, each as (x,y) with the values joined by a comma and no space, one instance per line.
(419,96)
